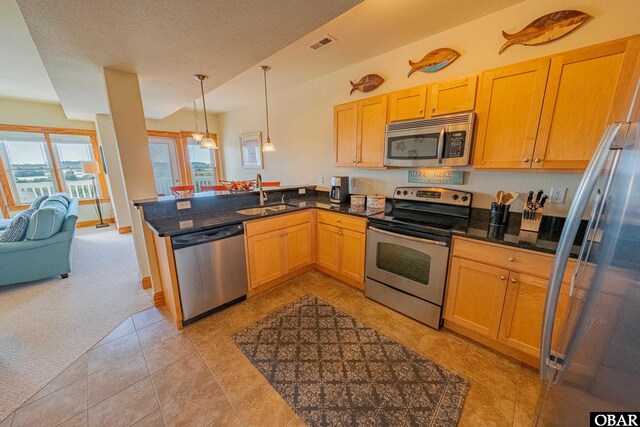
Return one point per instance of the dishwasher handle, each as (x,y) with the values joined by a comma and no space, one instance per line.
(192,239)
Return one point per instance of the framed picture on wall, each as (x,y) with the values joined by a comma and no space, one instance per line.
(251,150)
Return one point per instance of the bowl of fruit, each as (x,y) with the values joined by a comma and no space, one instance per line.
(239,185)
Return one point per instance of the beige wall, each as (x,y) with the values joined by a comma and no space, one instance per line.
(302,121)
(183,120)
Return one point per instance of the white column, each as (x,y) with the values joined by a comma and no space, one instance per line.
(127,114)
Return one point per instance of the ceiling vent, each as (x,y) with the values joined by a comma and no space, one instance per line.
(326,40)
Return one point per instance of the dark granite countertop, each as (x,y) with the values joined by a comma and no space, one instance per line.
(546,240)
(183,224)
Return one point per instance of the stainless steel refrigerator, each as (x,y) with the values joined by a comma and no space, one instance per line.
(590,349)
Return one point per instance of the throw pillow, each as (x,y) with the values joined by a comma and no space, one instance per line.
(56,201)
(45,222)
(17,228)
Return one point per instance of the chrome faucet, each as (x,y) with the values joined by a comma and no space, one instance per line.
(263,195)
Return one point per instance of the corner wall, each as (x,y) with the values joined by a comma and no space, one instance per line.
(302,117)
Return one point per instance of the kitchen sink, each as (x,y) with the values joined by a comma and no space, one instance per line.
(264,210)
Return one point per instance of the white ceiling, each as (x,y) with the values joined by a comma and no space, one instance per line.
(22,74)
(164,41)
(371,28)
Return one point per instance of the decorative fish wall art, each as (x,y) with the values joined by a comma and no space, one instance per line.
(546,28)
(367,83)
(434,61)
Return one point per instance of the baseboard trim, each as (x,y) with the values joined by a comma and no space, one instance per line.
(158,298)
(124,230)
(146,282)
(93,222)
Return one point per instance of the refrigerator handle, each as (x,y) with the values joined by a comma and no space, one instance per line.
(574,217)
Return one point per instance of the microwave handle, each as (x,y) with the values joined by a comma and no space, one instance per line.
(440,146)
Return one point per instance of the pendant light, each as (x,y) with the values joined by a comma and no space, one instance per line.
(207,141)
(197,136)
(268,146)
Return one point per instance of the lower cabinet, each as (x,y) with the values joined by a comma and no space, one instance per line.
(498,298)
(278,246)
(341,245)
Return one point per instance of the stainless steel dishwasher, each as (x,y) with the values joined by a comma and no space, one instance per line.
(211,270)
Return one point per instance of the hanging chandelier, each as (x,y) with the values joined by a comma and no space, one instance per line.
(197,136)
(268,146)
(207,141)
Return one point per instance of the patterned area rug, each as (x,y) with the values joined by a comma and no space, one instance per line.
(335,371)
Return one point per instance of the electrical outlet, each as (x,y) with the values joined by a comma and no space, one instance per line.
(557,195)
(321,180)
(302,190)
(184,205)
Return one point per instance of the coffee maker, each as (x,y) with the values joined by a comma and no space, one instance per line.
(339,189)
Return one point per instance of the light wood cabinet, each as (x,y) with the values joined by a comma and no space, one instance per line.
(359,129)
(407,104)
(452,96)
(277,247)
(499,306)
(578,105)
(509,106)
(341,247)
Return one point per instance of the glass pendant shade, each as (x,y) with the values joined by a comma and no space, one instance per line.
(268,146)
(208,142)
(197,137)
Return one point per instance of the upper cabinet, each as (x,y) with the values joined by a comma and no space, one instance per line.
(509,106)
(551,113)
(407,104)
(579,102)
(452,96)
(359,129)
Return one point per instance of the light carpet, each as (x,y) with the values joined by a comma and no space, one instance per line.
(46,325)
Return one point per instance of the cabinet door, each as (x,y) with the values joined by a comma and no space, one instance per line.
(352,247)
(453,96)
(372,116)
(509,107)
(577,105)
(345,133)
(407,104)
(298,246)
(475,296)
(521,323)
(328,247)
(266,257)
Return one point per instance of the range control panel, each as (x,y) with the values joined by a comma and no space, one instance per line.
(433,195)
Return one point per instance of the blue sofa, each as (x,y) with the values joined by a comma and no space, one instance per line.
(45,249)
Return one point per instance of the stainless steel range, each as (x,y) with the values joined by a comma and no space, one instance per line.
(408,251)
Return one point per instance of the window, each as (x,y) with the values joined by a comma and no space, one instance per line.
(71,152)
(45,161)
(202,163)
(27,165)
(165,164)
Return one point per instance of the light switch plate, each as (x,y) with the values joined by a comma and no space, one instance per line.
(557,195)
(185,204)
(301,190)
(186,224)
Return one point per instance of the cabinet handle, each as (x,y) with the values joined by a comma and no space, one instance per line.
(338,220)
(537,160)
(503,277)
(525,161)
(433,109)
(420,111)
(511,259)
(513,280)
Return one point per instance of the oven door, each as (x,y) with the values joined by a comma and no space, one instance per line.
(414,265)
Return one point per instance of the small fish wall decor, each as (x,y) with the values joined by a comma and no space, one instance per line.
(434,61)
(367,83)
(546,28)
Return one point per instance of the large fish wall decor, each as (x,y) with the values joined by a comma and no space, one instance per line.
(367,83)
(434,61)
(546,28)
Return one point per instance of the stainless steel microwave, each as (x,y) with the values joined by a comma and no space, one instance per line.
(436,142)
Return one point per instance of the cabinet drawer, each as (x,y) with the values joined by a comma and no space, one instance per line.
(513,259)
(261,226)
(345,221)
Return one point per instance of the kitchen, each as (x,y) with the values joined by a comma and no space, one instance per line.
(498,314)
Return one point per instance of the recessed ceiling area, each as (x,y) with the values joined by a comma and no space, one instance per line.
(369,29)
(164,41)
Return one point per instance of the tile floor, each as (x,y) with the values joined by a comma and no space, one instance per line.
(148,373)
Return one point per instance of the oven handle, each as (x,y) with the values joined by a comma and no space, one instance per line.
(440,145)
(428,241)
